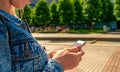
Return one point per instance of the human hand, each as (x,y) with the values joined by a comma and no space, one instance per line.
(51,53)
(75,49)
(69,58)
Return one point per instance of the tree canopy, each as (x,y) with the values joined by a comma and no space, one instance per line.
(72,12)
(27,13)
(117,9)
(42,14)
(55,20)
(66,12)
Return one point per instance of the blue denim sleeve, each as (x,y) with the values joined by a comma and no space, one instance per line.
(5,56)
(53,66)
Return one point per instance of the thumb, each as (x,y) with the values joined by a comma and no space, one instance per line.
(81,53)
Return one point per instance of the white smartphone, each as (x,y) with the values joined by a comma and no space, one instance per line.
(79,43)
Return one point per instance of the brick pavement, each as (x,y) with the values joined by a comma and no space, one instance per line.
(113,64)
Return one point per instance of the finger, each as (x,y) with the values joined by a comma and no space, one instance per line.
(63,51)
(75,49)
(77,56)
(79,48)
(81,53)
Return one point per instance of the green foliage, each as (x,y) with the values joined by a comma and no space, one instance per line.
(33,23)
(107,11)
(27,13)
(78,9)
(73,13)
(117,9)
(42,15)
(86,31)
(93,10)
(66,12)
(54,14)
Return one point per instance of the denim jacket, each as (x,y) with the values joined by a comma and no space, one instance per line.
(19,51)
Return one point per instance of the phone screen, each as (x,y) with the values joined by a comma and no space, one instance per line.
(79,43)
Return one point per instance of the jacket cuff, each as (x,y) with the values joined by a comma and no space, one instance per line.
(57,65)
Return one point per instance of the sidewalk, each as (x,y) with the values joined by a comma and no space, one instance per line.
(99,56)
(113,36)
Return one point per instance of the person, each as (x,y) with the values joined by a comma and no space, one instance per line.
(19,50)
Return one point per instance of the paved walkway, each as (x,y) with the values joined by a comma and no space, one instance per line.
(98,59)
(113,64)
(102,51)
(113,36)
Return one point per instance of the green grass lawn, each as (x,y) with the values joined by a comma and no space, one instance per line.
(85,31)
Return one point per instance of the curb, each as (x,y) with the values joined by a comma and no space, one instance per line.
(77,38)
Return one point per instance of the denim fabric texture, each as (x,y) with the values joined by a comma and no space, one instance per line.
(24,54)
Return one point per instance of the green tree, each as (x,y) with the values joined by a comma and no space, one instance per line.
(79,17)
(117,9)
(42,15)
(54,14)
(27,14)
(92,11)
(33,21)
(66,12)
(107,11)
